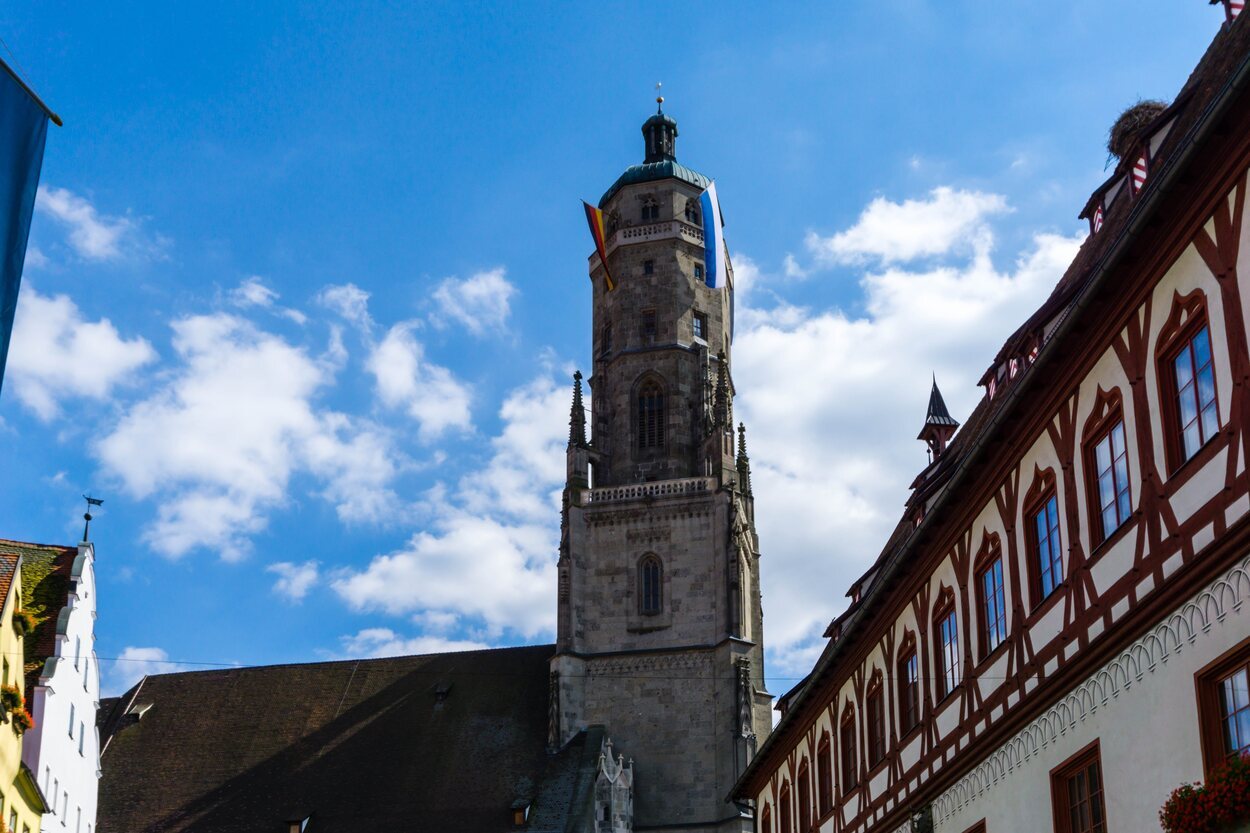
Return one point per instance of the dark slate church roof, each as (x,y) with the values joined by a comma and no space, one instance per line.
(444,742)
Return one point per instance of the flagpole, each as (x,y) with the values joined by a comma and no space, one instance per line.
(53,117)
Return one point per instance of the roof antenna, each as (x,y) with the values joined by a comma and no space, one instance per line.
(86,527)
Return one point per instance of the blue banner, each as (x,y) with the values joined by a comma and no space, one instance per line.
(23,129)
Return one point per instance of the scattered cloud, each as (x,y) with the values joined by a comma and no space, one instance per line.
(832,400)
(428,392)
(93,235)
(384,642)
(488,554)
(253,293)
(35,258)
(892,232)
(792,269)
(133,664)
(294,580)
(480,303)
(222,435)
(56,354)
(350,302)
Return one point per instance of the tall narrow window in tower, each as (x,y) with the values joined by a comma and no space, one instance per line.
(648,267)
(650,585)
(650,416)
(805,797)
(1110,469)
(946,646)
(876,720)
(908,686)
(824,775)
(850,761)
(650,209)
(1193,380)
(692,211)
(649,327)
(605,341)
(700,326)
(991,602)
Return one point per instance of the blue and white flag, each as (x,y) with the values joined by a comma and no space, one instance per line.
(715,270)
(23,129)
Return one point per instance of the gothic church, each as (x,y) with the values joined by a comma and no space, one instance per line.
(647,709)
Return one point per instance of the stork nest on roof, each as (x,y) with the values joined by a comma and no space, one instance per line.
(1126,131)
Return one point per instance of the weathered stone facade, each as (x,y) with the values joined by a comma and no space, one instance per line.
(675,674)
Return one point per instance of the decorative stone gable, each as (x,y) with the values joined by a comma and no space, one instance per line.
(614,792)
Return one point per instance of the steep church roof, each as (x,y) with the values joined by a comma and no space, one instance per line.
(448,742)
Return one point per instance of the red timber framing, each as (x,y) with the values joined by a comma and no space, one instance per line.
(1202,206)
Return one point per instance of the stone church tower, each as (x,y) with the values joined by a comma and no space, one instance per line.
(660,634)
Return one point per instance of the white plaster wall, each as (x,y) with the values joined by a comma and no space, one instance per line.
(1143,757)
(49,750)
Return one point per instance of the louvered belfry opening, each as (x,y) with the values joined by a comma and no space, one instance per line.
(651,416)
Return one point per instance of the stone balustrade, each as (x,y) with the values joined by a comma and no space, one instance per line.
(643,491)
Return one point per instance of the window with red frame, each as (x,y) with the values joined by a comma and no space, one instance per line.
(850,761)
(876,721)
(785,810)
(824,777)
(908,689)
(766,820)
(805,797)
(1109,456)
(946,648)
(1047,548)
(993,604)
(1076,794)
(1224,707)
(1192,374)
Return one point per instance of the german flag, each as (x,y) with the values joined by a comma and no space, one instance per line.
(597,230)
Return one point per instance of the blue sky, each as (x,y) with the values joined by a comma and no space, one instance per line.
(306,285)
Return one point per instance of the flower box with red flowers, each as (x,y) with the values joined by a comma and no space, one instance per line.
(1221,805)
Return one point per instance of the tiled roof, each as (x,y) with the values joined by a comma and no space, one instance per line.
(8,569)
(45,587)
(356,745)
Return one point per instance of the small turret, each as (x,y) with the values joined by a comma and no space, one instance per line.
(660,133)
(578,452)
(577,414)
(744,462)
(939,425)
(720,407)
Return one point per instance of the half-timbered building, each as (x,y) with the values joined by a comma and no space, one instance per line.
(1057,633)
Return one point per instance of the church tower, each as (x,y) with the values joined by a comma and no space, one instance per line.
(660,629)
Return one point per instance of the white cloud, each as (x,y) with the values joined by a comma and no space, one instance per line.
(56,354)
(488,555)
(480,302)
(384,642)
(253,292)
(898,232)
(134,663)
(349,301)
(428,392)
(294,580)
(792,268)
(222,436)
(35,258)
(832,403)
(92,235)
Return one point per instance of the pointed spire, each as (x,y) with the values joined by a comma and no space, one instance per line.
(577,414)
(744,462)
(720,411)
(939,425)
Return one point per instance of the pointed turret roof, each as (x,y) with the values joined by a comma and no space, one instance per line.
(938,414)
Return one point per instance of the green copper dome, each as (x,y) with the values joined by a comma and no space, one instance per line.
(660,133)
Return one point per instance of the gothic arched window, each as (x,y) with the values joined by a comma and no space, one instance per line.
(651,416)
(650,585)
(650,209)
(692,211)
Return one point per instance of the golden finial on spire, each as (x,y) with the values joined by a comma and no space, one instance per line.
(659,99)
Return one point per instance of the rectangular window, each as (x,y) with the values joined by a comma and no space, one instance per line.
(698,271)
(648,267)
(72,720)
(82,733)
(605,341)
(947,637)
(1049,553)
(876,723)
(1224,707)
(1111,471)
(648,324)
(1194,376)
(77,651)
(1076,794)
(993,607)
(700,326)
(909,691)
(824,775)
(805,798)
(850,762)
